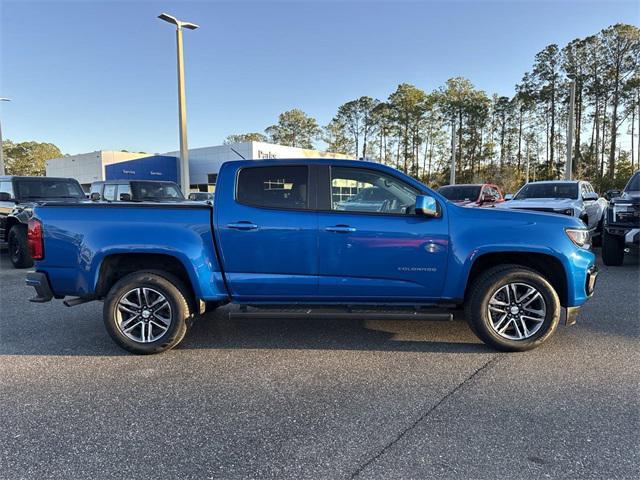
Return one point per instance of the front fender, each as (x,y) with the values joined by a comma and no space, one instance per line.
(475,233)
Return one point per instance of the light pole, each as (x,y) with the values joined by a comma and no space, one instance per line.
(452,171)
(2,99)
(182,107)
(568,172)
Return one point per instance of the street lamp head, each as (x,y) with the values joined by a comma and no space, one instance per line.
(5,99)
(178,23)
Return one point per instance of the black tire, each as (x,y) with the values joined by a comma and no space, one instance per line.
(596,240)
(612,249)
(484,287)
(18,247)
(175,293)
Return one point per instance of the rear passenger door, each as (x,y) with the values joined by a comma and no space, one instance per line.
(267,231)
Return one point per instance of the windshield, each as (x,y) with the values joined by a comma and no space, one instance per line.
(461,193)
(548,190)
(156,191)
(48,188)
(634,184)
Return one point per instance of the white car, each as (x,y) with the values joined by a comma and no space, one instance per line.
(565,197)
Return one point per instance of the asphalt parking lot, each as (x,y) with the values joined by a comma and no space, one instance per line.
(319,399)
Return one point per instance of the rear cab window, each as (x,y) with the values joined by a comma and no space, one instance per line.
(48,188)
(285,187)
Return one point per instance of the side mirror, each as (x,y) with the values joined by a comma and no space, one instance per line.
(590,196)
(612,194)
(5,197)
(427,206)
(486,198)
(95,196)
(508,196)
(125,197)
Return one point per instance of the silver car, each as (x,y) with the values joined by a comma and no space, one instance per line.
(575,198)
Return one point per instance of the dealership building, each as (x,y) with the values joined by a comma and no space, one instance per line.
(204,163)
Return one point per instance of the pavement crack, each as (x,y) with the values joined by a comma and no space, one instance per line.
(426,414)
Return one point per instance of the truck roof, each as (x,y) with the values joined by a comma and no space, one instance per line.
(33,178)
(310,161)
(557,181)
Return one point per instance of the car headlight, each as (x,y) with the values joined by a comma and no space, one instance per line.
(579,236)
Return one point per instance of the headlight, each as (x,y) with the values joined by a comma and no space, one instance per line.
(579,236)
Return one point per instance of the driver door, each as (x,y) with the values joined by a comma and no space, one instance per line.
(377,249)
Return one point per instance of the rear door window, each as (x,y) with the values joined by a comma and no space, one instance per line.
(124,188)
(274,187)
(6,187)
(109,192)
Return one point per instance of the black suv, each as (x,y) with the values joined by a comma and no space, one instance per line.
(17,196)
(622,223)
(136,191)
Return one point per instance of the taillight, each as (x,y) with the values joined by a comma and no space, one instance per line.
(35,240)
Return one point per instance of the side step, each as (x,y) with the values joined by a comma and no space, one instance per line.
(432,314)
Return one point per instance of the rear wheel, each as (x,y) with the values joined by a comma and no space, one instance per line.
(18,247)
(513,308)
(147,312)
(612,249)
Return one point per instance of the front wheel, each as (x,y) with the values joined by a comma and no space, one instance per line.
(146,313)
(513,308)
(18,247)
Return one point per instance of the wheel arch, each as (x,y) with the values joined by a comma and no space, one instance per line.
(117,265)
(546,265)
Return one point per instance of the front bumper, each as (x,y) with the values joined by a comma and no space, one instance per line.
(40,282)
(590,285)
(571,313)
(631,234)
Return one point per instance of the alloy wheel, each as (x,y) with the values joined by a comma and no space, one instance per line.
(516,311)
(143,314)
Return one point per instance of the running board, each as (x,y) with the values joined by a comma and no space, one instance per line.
(317,313)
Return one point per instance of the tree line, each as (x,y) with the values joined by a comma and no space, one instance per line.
(498,138)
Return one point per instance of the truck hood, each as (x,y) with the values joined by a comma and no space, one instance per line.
(558,203)
(508,218)
(628,197)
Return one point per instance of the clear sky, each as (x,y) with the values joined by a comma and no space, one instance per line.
(91,75)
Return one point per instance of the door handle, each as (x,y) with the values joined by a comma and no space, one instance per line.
(244,225)
(340,229)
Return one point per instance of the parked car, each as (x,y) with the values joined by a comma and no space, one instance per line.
(201,196)
(17,195)
(469,195)
(565,197)
(622,223)
(275,236)
(136,191)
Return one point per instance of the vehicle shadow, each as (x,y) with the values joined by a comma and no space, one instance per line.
(85,335)
(219,332)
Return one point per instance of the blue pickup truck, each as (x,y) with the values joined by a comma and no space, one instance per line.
(282,234)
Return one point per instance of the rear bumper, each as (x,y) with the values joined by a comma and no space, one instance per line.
(40,282)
